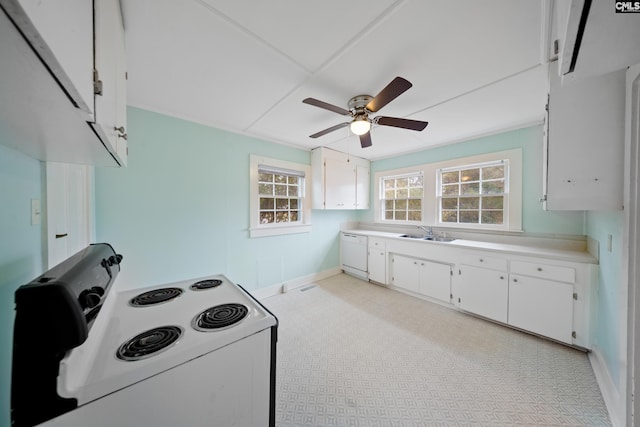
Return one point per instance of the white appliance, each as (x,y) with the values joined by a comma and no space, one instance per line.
(353,249)
(191,353)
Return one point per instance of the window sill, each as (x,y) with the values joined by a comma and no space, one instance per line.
(279,230)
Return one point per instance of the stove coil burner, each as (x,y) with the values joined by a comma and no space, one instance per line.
(206,284)
(149,343)
(156,296)
(220,317)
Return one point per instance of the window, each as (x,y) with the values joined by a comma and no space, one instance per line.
(402,197)
(278,197)
(279,192)
(474,194)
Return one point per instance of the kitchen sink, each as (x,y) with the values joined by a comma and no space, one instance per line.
(432,238)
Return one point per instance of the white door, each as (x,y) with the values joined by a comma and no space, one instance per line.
(541,306)
(405,273)
(482,291)
(435,280)
(68,210)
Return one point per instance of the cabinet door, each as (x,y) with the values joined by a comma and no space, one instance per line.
(406,274)
(61,32)
(435,280)
(111,115)
(483,292)
(541,306)
(340,188)
(377,265)
(362,187)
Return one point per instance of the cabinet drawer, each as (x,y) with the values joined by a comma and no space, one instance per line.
(376,243)
(544,271)
(479,260)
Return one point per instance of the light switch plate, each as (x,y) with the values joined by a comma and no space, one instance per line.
(35,211)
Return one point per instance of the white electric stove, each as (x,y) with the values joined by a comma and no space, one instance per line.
(197,352)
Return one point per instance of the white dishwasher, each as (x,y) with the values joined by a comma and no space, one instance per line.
(354,255)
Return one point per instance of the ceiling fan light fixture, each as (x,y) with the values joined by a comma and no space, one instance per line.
(360,125)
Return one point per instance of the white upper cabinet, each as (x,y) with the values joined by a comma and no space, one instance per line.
(340,181)
(111,76)
(585,142)
(58,99)
(61,32)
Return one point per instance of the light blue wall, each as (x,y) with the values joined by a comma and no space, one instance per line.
(20,250)
(181,209)
(611,297)
(534,218)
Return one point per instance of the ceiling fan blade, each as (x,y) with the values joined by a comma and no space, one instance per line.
(393,90)
(365,140)
(400,123)
(326,106)
(331,129)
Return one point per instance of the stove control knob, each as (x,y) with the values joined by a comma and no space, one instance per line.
(89,298)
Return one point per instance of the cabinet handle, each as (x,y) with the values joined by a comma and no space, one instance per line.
(121,132)
(539,268)
(60,236)
(481,260)
(502,278)
(515,280)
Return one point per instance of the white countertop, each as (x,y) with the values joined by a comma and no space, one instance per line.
(506,248)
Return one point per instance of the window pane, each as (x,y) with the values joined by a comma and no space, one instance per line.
(469,216)
(415,181)
(450,203)
(294,216)
(450,177)
(388,214)
(472,188)
(493,172)
(294,203)
(265,189)
(293,190)
(281,190)
(401,205)
(266,203)
(292,180)
(470,175)
(415,204)
(389,183)
(450,190)
(266,217)
(282,204)
(492,217)
(402,193)
(265,177)
(493,187)
(402,182)
(469,202)
(388,205)
(416,192)
(449,216)
(401,215)
(282,216)
(415,216)
(389,194)
(493,202)
(280,178)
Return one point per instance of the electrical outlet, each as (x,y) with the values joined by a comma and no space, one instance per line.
(35,211)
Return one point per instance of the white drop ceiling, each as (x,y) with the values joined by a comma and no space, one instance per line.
(477,67)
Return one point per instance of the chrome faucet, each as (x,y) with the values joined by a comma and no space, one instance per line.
(428,230)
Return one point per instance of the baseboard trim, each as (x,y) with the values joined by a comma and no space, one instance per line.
(612,400)
(289,285)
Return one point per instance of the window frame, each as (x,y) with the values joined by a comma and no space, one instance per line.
(303,225)
(383,200)
(430,215)
(480,195)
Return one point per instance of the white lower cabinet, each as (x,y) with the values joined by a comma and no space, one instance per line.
(377,261)
(541,299)
(406,274)
(431,279)
(482,291)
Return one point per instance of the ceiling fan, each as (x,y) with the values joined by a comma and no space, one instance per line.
(362,105)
